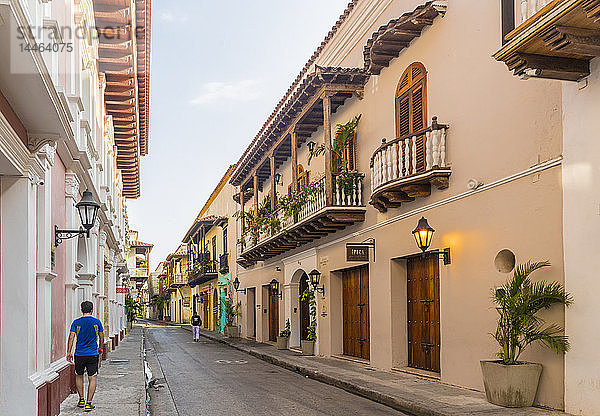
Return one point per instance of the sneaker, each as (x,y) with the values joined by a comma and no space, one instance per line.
(81,403)
(89,407)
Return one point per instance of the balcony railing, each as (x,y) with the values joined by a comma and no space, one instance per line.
(525,9)
(141,272)
(307,224)
(406,167)
(553,39)
(177,279)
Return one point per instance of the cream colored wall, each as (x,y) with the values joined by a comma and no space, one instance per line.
(499,126)
(581,179)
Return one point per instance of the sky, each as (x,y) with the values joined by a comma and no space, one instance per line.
(218,69)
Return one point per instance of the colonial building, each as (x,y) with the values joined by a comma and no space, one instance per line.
(209,240)
(176,268)
(73,126)
(558,40)
(402,113)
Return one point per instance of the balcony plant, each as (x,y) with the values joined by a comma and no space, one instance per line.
(347,180)
(508,381)
(343,133)
(232,311)
(284,336)
(308,344)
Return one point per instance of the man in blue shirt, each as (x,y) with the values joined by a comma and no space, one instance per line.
(88,330)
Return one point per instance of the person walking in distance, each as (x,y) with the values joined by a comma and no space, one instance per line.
(196,322)
(88,330)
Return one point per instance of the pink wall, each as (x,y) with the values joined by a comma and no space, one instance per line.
(58,348)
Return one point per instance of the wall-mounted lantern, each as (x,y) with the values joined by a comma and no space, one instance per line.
(314,277)
(88,210)
(236,286)
(274,286)
(278,179)
(423,234)
(311,146)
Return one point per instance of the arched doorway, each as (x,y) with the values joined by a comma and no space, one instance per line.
(300,317)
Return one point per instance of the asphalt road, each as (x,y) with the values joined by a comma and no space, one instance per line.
(209,378)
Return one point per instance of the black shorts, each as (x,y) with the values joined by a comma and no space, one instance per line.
(86,362)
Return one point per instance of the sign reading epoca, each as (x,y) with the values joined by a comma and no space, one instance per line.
(357,252)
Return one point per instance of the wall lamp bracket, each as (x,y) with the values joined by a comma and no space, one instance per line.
(446,256)
(61,235)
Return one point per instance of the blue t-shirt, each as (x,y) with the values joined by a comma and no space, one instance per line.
(86,329)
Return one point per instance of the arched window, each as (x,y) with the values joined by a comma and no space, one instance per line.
(411,100)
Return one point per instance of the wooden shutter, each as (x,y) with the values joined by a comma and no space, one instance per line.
(411,107)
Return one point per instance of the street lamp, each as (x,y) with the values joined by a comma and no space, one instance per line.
(88,210)
(236,286)
(275,288)
(315,277)
(423,234)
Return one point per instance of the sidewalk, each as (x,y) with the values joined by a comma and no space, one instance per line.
(405,392)
(121,383)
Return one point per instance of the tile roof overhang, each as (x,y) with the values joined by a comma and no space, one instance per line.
(302,111)
(124,29)
(387,43)
(205,223)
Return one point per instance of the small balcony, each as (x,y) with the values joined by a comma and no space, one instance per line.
(202,272)
(140,273)
(550,39)
(177,280)
(224,263)
(405,168)
(316,218)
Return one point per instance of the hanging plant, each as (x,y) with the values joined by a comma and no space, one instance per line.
(343,133)
(309,295)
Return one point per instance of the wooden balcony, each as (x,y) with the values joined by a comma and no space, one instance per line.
(405,168)
(177,280)
(203,273)
(316,219)
(550,39)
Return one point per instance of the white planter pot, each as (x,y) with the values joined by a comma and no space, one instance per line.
(282,343)
(510,385)
(308,347)
(232,332)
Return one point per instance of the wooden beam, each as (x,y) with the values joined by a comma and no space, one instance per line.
(273,183)
(327,141)
(294,163)
(573,40)
(553,67)
(255,192)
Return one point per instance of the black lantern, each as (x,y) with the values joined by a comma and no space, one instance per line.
(236,286)
(423,234)
(311,146)
(88,210)
(314,278)
(274,285)
(278,179)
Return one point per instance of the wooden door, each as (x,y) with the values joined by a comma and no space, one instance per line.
(423,296)
(304,308)
(355,284)
(273,316)
(205,307)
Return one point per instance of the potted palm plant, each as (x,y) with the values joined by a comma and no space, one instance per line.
(308,344)
(509,382)
(232,311)
(284,336)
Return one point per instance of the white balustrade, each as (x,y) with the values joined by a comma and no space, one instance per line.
(349,194)
(398,159)
(524,9)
